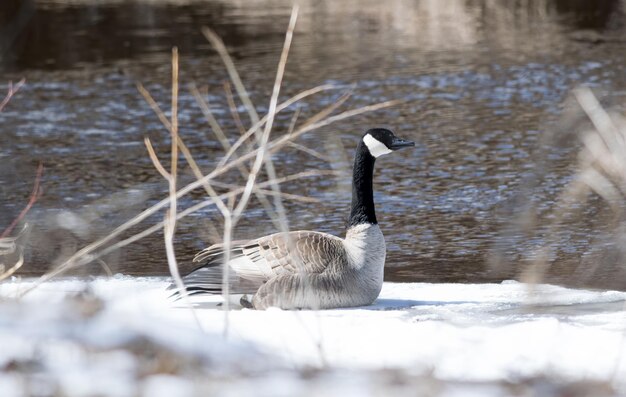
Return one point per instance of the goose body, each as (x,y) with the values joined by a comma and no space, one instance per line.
(307,269)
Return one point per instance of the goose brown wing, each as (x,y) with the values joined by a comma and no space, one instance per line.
(301,251)
(254,262)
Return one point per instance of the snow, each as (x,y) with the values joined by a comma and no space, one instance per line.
(101,337)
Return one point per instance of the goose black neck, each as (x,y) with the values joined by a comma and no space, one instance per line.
(362,188)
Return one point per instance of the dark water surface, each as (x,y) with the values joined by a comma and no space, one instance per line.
(483,82)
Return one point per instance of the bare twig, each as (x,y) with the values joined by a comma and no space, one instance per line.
(7,273)
(13,89)
(208,115)
(170,218)
(7,245)
(219,46)
(198,207)
(34,196)
(86,254)
(155,106)
(221,137)
(288,196)
(231,221)
(294,120)
(155,160)
(181,145)
(233,108)
(299,147)
(252,130)
(169,222)
(601,170)
(601,120)
(309,151)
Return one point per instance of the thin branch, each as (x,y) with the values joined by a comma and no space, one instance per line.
(233,108)
(221,137)
(260,155)
(601,120)
(13,89)
(252,130)
(231,222)
(294,120)
(34,196)
(288,196)
(170,217)
(302,148)
(326,111)
(309,151)
(219,46)
(198,207)
(208,115)
(155,106)
(195,169)
(299,147)
(7,245)
(198,174)
(341,116)
(86,255)
(5,274)
(169,227)
(155,160)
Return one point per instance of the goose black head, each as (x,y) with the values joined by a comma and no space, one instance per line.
(381,141)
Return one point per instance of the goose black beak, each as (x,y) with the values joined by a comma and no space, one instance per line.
(399,143)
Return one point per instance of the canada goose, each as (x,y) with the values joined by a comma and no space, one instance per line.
(323,271)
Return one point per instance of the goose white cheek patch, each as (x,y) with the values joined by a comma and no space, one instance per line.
(375,147)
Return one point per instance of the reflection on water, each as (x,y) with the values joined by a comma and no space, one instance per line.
(482,82)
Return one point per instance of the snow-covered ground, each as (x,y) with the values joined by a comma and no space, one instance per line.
(122,336)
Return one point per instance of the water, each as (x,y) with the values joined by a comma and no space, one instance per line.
(482,82)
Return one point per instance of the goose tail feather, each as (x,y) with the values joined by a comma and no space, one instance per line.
(208,277)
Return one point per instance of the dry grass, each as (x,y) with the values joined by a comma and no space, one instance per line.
(11,91)
(254,146)
(34,196)
(8,244)
(169,221)
(591,201)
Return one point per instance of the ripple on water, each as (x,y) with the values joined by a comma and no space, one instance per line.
(478,105)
